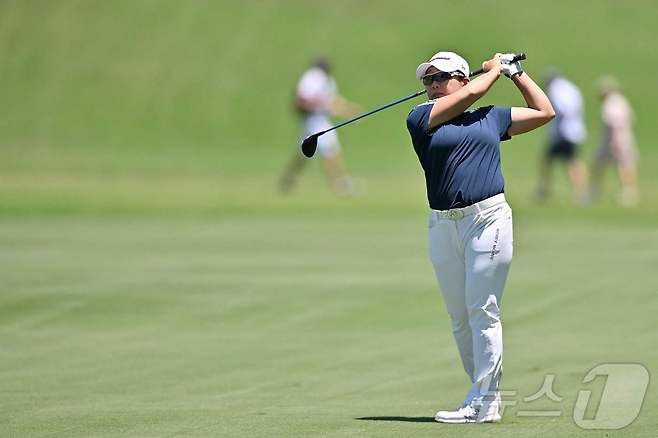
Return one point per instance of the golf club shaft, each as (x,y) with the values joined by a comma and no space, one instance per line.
(373,112)
(518,57)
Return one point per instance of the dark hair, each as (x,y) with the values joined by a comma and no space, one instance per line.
(322,62)
(551,74)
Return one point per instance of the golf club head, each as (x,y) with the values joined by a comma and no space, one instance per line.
(309,145)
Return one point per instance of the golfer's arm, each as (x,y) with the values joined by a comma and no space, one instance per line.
(342,107)
(539,110)
(308,105)
(452,105)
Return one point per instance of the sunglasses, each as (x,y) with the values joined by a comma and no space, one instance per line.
(439,76)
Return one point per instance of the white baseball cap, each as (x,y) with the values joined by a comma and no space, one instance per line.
(444,61)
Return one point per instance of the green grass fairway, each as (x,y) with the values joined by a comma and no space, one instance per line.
(153,282)
(274,326)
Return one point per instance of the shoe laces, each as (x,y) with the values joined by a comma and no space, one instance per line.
(468,411)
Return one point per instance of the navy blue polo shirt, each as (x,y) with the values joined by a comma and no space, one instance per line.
(461,157)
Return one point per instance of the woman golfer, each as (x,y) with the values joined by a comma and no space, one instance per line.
(470,223)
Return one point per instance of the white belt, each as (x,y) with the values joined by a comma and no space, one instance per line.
(459,213)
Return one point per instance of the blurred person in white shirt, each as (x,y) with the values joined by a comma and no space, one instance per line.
(317,99)
(566,133)
(617,142)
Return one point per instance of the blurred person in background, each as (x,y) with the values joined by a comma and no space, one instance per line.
(316,99)
(617,142)
(566,133)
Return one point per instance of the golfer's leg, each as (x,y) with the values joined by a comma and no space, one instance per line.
(337,176)
(578,178)
(292,171)
(628,180)
(598,169)
(545,176)
(334,167)
(488,254)
(448,260)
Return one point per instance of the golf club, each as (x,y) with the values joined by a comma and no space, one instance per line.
(310,143)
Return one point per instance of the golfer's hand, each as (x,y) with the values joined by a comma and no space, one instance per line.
(510,67)
(493,64)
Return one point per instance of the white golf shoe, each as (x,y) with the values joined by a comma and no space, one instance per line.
(468,414)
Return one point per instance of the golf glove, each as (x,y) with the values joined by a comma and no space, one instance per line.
(510,68)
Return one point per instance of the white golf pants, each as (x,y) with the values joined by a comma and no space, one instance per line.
(471,250)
